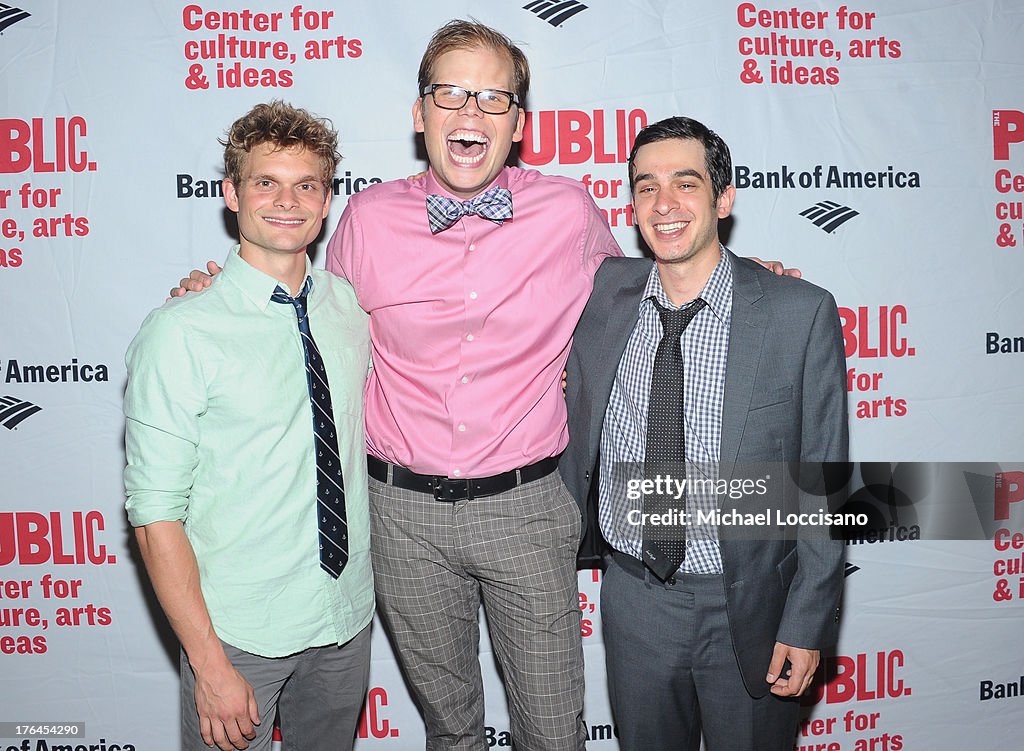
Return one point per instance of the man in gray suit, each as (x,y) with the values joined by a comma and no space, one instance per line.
(705,355)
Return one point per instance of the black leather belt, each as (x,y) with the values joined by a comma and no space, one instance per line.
(454,489)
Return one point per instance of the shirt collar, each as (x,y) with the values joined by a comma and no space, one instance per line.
(432,187)
(717,292)
(256,286)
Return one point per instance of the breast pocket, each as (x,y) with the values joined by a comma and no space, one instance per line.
(770,397)
(773,423)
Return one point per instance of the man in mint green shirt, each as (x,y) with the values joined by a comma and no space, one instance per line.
(223,475)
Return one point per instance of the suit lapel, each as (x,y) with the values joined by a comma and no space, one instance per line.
(746,340)
(622,309)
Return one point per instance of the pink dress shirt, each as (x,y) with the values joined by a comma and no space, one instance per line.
(470,328)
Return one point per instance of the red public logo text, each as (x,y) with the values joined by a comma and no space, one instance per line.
(373,723)
(870,332)
(32,539)
(1007,129)
(575,136)
(1009,489)
(44,145)
(860,677)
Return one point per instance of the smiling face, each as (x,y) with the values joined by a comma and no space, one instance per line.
(281,201)
(674,203)
(467,148)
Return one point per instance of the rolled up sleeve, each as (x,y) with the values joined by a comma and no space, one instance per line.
(164,400)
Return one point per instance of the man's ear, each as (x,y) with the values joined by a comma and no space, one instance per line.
(417,115)
(517,134)
(230,195)
(725,201)
(327,204)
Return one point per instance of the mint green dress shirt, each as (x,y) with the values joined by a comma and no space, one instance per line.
(219,435)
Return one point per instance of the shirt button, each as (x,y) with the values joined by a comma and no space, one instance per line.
(457,473)
(469,337)
(465,379)
(472,247)
(462,427)
(472,295)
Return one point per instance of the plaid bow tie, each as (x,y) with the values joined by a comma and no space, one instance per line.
(494,204)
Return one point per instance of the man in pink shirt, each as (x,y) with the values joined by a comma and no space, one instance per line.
(474,276)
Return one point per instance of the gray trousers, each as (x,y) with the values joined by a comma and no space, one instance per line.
(317,694)
(672,672)
(433,564)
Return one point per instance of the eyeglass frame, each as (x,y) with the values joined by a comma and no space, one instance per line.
(429,89)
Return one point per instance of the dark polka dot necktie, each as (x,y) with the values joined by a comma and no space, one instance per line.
(664,546)
(330,490)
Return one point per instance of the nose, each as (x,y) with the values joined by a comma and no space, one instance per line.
(471,107)
(666,202)
(286,198)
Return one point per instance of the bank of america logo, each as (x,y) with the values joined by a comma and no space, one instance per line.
(829,215)
(555,12)
(14,411)
(850,569)
(9,15)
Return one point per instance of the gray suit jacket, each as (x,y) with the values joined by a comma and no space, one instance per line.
(784,400)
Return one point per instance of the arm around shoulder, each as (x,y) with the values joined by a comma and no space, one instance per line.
(598,243)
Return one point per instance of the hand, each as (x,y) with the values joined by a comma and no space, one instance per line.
(777,268)
(803,663)
(565,380)
(196,281)
(227,707)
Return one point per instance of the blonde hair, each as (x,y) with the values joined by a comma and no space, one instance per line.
(470,35)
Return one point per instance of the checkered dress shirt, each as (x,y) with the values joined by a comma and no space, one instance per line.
(705,347)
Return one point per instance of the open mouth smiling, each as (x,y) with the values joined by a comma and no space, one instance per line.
(467,147)
(670,227)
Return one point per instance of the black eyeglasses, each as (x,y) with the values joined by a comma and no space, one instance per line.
(491,101)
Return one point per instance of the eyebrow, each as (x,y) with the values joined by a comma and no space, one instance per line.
(677,173)
(274,178)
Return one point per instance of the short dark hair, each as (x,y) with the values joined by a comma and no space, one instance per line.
(717,158)
(470,35)
(283,126)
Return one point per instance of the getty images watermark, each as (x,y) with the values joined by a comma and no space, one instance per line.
(692,491)
(860,503)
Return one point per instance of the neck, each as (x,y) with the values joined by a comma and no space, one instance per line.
(288,268)
(684,280)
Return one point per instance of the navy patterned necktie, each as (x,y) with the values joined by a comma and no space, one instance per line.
(494,204)
(330,490)
(664,547)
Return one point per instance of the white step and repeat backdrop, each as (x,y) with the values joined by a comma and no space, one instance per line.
(879,146)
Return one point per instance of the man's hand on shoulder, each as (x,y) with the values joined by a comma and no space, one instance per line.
(196,281)
(226,706)
(803,663)
(777,268)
